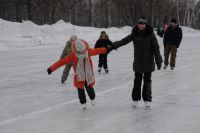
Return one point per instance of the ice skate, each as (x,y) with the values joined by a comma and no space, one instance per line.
(135,103)
(99,70)
(93,102)
(165,67)
(147,104)
(84,106)
(106,70)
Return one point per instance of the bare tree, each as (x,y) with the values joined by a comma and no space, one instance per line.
(177,10)
(102,13)
(3,7)
(29,9)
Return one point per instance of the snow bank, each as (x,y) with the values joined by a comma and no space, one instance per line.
(28,34)
(190,32)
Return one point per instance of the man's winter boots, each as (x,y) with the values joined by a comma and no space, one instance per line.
(164,67)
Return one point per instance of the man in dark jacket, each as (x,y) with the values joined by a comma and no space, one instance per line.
(172,40)
(103,41)
(146,49)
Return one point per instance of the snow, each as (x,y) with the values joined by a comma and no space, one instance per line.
(33,102)
(27,34)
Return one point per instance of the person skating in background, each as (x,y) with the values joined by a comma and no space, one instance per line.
(84,79)
(161,31)
(146,49)
(66,51)
(172,40)
(103,41)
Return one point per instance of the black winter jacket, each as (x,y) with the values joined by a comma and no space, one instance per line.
(102,43)
(173,36)
(146,49)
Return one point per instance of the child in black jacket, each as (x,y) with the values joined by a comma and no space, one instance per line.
(105,42)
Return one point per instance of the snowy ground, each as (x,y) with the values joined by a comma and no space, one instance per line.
(33,102)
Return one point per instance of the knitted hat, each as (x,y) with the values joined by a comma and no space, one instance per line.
(142,20)
(102,32)
(73,37)
(174,21)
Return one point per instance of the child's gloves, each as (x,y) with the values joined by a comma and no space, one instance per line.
(49,71)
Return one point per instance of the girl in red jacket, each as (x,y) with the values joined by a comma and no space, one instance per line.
(84,79)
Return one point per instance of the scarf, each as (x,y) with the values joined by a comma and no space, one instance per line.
(83,69)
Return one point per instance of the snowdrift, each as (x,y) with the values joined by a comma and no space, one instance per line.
(28,34)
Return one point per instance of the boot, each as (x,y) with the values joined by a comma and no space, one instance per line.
(84,106)
(99,70)
(93,102)
(106,70)
(135,103)
(164,67)
(147,104)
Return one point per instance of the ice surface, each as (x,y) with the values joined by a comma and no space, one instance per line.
(33,102)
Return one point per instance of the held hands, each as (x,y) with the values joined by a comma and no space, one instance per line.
(49,71)
(109,49)
(159,66)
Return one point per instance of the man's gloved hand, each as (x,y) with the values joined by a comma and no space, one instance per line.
(159,66)
(49,71)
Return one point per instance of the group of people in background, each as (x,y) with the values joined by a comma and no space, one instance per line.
(77,53)
(172,36)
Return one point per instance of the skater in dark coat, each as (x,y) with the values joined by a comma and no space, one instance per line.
(103,42)
(172,40)
(146,49)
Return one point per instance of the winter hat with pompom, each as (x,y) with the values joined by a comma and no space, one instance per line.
(73,37)
(83,69)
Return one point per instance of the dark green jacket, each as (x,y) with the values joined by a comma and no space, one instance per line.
(146,49)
